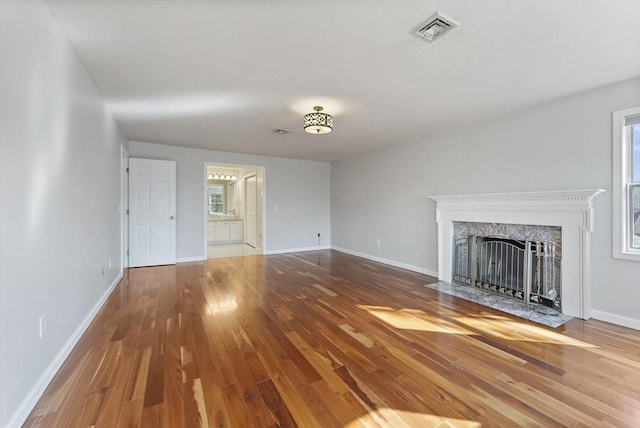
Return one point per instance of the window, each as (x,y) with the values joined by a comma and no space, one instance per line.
(634,185)
(216,200)
(626,184)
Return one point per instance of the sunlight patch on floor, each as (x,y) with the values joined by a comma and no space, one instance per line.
(413,319)
(491,325)
(506,328)
(224,305)
(387,417)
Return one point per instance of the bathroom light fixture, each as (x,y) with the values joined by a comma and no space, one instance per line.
(318,122)
(223,177)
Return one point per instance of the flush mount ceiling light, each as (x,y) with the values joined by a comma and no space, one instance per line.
(224,177)
(318,122)
(435,27)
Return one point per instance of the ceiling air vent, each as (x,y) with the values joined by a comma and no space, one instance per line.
(436,26)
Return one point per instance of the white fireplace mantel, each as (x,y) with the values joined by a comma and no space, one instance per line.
(571,210)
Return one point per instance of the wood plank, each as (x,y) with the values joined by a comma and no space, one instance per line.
(152,417)
(154,389)
(359,336)
(322,364)
(276,404)
(324,290)
(130,414)
(247,389)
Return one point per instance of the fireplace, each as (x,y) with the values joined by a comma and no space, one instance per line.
(524,270)
(568,220)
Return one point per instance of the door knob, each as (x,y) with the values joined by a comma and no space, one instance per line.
(171,218)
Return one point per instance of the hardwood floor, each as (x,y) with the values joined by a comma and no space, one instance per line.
(324,339)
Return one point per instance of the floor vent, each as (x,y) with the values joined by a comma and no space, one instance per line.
(435,27)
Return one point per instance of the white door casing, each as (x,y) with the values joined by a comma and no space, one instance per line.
(124,208)
(250,217)
(152,212)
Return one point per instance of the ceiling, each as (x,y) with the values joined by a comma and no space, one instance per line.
(224,75)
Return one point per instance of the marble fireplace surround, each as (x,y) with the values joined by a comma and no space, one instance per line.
(571,210)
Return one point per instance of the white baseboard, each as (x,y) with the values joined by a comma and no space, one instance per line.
(388,262)
(616,319)
(297,250)
(190,259)
(27,405)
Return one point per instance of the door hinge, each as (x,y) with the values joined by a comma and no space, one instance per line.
(127,170)
(127,252)
(127,211)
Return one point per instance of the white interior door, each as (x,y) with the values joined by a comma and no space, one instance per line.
(152,211)
(250,204)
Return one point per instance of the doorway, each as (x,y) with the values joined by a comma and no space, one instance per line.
(233,210)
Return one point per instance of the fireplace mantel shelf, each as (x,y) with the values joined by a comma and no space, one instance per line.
(553,194)
(538,198)
(572,210)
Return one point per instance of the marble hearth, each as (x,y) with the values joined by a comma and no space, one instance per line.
(571,211)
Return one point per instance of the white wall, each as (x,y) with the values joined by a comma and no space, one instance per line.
(299,189)
(562,145)
(60,193)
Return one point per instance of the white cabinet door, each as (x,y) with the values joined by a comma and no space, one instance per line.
(152,210)
(237,231)
(211,231)
(223,230)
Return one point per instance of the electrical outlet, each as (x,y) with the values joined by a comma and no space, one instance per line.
(109,264)
(378,243)
(42,325)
